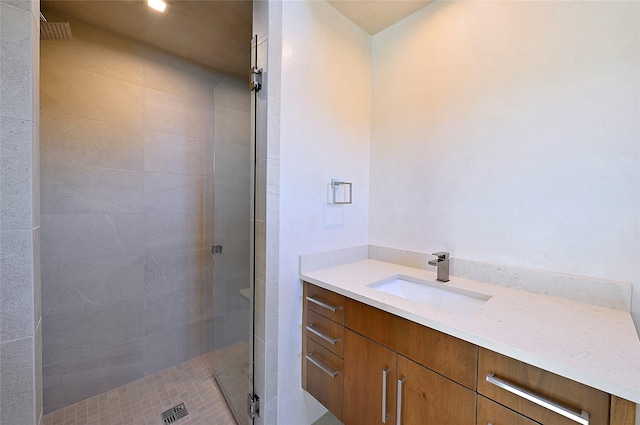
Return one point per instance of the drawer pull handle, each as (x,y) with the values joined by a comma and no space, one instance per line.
(385,415)
(322,367)
(332,341)
(399,401)
(322,304)
(581,418)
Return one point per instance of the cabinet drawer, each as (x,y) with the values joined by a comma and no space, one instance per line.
(325,380)
(449,356)
(490,412)
(509,375)
(325,332)
(324,302)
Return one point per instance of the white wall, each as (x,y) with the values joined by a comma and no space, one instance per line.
(500,131)
(508,132)
(325,133)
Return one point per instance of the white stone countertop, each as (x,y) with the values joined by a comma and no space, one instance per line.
(593,345)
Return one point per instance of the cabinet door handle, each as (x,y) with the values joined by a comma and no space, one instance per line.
(581,418)
(321,366)
(385,415)
(399,401)
(322,304)
(332,341)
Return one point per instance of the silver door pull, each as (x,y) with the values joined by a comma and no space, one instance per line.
(322,367)
(385,415)
(322,304)
(332,341)
(399,401)
(581,418)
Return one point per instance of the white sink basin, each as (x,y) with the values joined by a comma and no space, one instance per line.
(432,294)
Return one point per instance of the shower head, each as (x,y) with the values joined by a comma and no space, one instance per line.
(54,30)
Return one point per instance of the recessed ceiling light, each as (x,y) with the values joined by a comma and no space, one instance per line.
(159,5)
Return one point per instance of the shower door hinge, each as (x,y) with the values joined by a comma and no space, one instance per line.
(216,249)
(253,406)
(255,79)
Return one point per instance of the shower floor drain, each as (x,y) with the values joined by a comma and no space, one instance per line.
(173,414)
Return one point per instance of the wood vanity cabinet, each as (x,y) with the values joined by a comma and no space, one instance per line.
(368,366)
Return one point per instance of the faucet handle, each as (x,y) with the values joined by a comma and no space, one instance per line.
(441,255)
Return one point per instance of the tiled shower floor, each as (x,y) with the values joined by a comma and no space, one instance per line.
(141,402)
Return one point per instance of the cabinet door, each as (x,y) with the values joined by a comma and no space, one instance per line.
(367,365)
(429,398)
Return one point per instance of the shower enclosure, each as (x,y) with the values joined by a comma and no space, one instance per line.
(147,164)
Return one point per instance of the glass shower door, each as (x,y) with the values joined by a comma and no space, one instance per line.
(233,197)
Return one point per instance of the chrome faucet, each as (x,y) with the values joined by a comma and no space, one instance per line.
(442,263)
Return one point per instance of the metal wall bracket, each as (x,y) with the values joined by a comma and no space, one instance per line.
(253,405)
(216,249)
(255,79)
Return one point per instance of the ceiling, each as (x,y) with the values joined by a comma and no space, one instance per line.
(375,15)
(212,33)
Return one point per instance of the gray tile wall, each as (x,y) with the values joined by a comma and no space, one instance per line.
(127,211)
(20,324)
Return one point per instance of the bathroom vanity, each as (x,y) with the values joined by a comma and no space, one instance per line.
(371,357)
